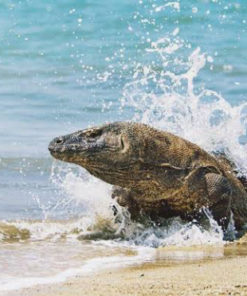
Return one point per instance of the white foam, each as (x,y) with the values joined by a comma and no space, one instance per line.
(81,187)
(90,266)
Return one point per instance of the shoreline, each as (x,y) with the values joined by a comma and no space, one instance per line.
(225,275)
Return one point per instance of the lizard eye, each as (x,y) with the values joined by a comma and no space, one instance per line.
(95,133)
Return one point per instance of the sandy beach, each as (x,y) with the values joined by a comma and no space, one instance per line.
(225,275)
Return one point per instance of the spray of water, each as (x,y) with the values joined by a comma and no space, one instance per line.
(177,105)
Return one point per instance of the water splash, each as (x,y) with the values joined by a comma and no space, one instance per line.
(102,219)
(169,98)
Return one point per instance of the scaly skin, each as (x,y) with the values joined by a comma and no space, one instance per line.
(155,172)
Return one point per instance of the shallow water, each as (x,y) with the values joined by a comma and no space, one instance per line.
(46,263)
(179,66)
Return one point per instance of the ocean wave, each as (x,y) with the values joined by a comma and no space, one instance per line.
(120,230)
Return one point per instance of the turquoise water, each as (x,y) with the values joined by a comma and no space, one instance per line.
(66,65)
(53,54)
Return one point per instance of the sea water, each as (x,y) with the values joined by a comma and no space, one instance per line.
(65,65)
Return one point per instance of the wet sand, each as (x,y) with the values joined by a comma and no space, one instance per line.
(214,274)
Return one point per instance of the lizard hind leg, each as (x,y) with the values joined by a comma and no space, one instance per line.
(220,195)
